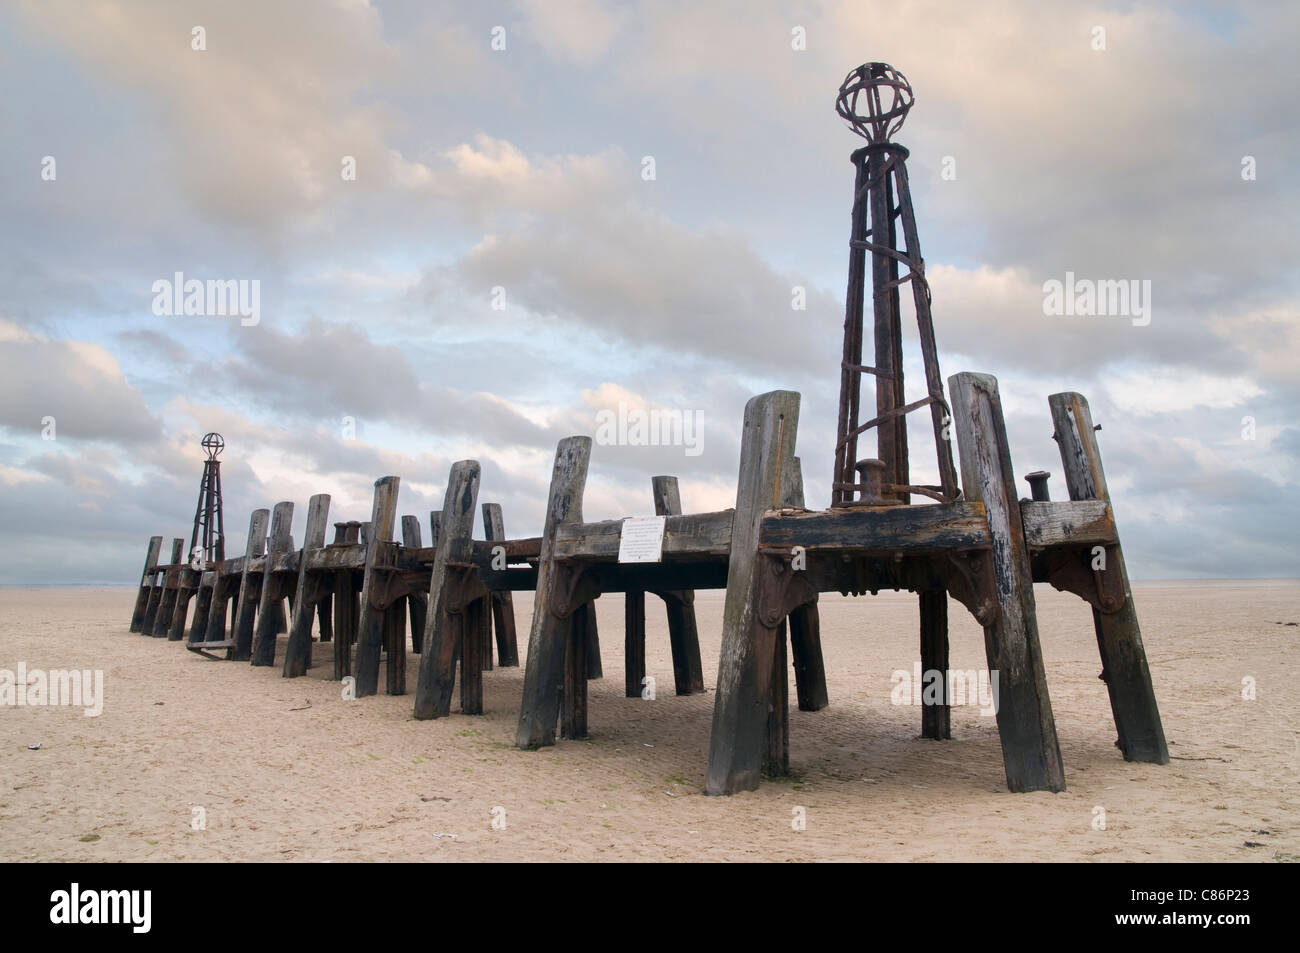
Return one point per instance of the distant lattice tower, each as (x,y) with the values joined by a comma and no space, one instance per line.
(208,541)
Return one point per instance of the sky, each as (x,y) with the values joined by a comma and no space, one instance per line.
(476,227)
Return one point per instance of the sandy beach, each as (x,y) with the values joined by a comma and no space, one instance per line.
(288,770)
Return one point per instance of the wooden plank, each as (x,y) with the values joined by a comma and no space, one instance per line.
(503,603)
(146,580)
(935,719)
(417,602)
(249,588)
(548,637)
(271,603)
(370,636)
(805,622)
(1084,522)
(297,652)
(695,534)
(1030,751)
(167,603)
(445,635)
(943,527)
(1119,638)
(683,633)
(738,742)
(633,642)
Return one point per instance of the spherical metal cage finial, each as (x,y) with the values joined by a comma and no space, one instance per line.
(874,99)
(214,444)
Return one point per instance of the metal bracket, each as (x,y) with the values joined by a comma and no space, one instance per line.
(969,578)
(1071,571)
(781,589)
(463,587)
(573,588)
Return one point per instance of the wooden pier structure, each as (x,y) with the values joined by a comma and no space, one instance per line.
(974,540)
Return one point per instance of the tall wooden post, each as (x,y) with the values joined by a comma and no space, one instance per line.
(738,745)
(447,632)
(503,603)
(805,632)
(1030,751)
(171,585)
(544,673)
(297,653)
(203,606)
(935,719)
(271,604)
(417,602)
(146,577)
(370,636)
(249,588)
(1119,639)
(683,634)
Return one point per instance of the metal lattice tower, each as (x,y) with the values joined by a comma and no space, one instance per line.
(208,541)
(875,99)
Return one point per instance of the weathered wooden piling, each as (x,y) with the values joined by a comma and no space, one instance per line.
(503,603)
(370,636)
(274,587)
(170,587)
(146,582)
(447,632)
(550,635)
(1119,638)
(310,590)
(1030,751)
(250,588)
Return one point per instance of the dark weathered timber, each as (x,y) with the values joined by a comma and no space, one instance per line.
(395,647)
(297,652)
(249,588)
(324,621)
(1119,638)
(881,529)
(776,759)
(271,604)
(146,578)
(1030,751)
(846,450)
(445,635)
(805,622)
(171,585)
(370,636)
(683,633)
(634,642)
(417,602)
(202,607)
(346,610)
(573,710)
(151,604)
(935,719)
(503,603)
(549,635)
(475,644)
(187,583)
(892,432)
(591,633)
(739,739)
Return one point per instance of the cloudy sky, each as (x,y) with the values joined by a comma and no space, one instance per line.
(1110,140)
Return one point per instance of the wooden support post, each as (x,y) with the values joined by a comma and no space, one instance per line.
(634,642)
(297,652)
(592,650)
(683,634)
(170,586)
(395,647)
(249,589)
(475,641)
(370,635)
(417,602)
(146,579)
(345,623)
(738,744)
(324,617)
(151,605)
(776,760)
(203,606)
(503,603)
(935,719)
(577,666)
(447,632)
(187,583)
(1119,639)
(548,637)
(805,622)
(1030,751)
(270,608)
(223,587)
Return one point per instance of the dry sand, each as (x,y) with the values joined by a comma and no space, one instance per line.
(362,780)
